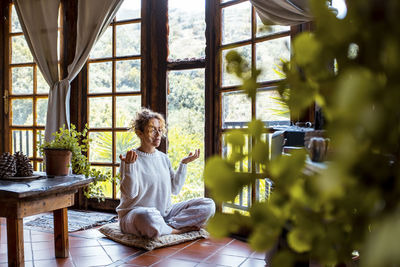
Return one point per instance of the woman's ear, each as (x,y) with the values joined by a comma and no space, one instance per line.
(139,133)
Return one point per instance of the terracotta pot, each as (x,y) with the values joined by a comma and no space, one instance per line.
(57,161)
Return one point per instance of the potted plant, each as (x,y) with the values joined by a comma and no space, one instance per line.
(68,150)
(353,205)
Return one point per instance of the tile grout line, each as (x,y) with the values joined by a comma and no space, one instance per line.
(178,250)
(124,260)
(104,250)
(139,253)
(30,241)
(209,256)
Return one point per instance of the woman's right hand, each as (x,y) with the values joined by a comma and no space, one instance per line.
(130,157)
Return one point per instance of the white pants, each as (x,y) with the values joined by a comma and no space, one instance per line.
(148,222)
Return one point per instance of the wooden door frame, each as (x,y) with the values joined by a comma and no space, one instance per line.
(4,75)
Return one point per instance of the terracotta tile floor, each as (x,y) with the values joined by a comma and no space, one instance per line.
(91,248)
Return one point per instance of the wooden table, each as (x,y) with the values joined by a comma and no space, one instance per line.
(19,199)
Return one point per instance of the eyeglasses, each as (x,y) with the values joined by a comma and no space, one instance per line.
(155,131)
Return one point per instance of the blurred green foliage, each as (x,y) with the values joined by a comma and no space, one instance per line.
(350,68)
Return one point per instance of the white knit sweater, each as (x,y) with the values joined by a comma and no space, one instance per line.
(149,182)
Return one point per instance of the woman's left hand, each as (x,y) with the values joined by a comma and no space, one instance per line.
(192,156)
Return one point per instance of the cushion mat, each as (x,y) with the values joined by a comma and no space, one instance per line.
(113,232)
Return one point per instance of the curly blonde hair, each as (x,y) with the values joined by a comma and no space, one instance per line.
(142,118)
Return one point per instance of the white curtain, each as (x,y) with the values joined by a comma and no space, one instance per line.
(39,21)
(282,12)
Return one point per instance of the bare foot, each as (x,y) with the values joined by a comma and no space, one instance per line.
(184,230)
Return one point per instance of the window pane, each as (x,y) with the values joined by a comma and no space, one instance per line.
(106,187)
(186,29)
(231,79)
(186,100)
(126,108)
(236,23)
(264,30)
(186,126)
(15,25)
(39,141)
(42,86)
(20,50)
(245,164)
(269,56)
(128,39)
(22,140)
(130,9)
(128,76)
(118,186)
(22,112)
(103,47)
(100,112)
(125,141)
(227,149)
(41,109)
(100,77)
(270,109)
(22,80)
(39,167)
(100,147)
(236,110)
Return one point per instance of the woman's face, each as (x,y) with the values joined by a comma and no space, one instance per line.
(151,137)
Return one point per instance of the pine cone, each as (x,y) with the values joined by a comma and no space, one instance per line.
(24,166)
(7,165)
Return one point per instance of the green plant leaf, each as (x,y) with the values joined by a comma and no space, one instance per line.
(219,176)
(236,137)
(263,238)
(299,240)
(260,152)
(256,128)
(283,258)
(306,48)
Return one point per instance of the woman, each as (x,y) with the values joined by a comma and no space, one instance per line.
(147,181)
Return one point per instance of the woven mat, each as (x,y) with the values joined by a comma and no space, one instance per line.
(77,220)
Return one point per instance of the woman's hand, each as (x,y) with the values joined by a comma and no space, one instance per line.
(191,156)
(130,157)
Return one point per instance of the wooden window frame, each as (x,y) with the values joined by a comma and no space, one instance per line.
(215,130)
(110,203)
(6,107)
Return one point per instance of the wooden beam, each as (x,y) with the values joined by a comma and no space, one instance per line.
(156,38)
(4,74)
(145,76)
(212,107)
(69,13)
(186,64)
(20,209)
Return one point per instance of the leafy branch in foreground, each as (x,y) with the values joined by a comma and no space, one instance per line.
(352,205)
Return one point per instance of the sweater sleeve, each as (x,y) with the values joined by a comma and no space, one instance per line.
(178,177)
(129,184)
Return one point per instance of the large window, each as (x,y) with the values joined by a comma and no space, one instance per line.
(166,55)
(27,93)
(114,91)
(265,48)
(186,90)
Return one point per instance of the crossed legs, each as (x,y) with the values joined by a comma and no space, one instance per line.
(183,217)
